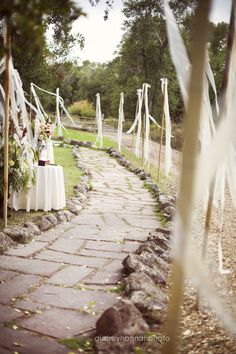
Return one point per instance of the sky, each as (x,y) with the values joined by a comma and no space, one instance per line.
(102,37)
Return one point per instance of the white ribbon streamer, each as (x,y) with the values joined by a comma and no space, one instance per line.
(138,123)
(207,128)
(121,120)
(168,150)
(99,118)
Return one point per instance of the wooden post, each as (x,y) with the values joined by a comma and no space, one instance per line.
(7,44)
(161,139)
(188,175)
(132,145)
(206,232)
(30,113)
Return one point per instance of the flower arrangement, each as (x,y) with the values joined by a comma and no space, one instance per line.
(46,131)
(21,156)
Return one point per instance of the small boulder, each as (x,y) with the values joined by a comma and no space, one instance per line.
(32,227)
(74,208)
(134,262)
(52,219)
(61,216)
(44,224)
(19,234)
(160,239)
(150,305)
(121,319)
(69,215)
(163,200)
(141,282)
(5,242)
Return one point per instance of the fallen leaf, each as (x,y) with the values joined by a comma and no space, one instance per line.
(18,310)
(187,332)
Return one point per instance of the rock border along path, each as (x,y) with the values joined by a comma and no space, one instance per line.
(58,285)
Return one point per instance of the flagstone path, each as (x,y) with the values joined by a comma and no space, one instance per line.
(56,286)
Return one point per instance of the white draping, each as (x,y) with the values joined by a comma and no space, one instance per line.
(138,122)
(59,101)
(121,120)
(168,150)
(207,127)
(99,118)
(143,98)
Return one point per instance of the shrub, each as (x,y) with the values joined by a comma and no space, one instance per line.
(82,109)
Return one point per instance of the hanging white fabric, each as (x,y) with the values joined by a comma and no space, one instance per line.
(42,114)
(99,118)
(58,123)
(121,120)
(168,150)
(18,114)
(143,97)
(207,128)
(138,123)
(147,138)
(148,118)
(61,102)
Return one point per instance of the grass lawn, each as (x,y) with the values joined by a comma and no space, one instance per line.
(63,156)
(88,136)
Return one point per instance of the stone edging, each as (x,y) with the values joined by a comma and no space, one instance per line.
(24,233)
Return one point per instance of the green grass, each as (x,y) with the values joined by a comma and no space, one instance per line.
(84,344)
(88,136)
(63,156)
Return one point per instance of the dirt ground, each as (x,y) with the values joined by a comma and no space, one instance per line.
(202,331)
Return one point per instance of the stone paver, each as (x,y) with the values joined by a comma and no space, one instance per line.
(62,257)
(70,275)
(29,343)
(70,298)
(57,286)
(30,266)
(67,245)
(16,286)
(8,314)
(26,250)
(60,323)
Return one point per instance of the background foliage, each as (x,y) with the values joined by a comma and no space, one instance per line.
(142,55)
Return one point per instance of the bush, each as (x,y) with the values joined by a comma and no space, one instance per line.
(82,109)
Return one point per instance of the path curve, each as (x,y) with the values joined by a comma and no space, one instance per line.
(56,286)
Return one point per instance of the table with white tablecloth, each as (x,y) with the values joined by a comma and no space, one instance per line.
(47,193)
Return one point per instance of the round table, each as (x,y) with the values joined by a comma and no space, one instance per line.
(47,193)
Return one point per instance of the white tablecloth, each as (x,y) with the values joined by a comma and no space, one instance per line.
(48,192)
(50,152)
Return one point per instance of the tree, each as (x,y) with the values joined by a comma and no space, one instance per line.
(144,55)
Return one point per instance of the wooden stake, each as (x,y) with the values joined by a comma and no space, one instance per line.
(7,44)
(132,145)
(188,175)
(161,139)
(206,231)
(30,113)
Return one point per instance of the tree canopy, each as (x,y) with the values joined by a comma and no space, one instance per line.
(142,55)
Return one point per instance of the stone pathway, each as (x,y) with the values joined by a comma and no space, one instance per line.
(58,285)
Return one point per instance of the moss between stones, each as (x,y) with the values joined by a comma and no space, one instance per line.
(85,344)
